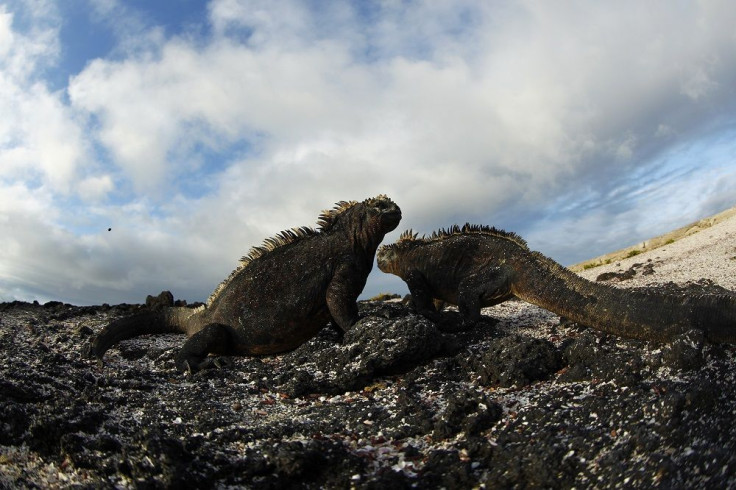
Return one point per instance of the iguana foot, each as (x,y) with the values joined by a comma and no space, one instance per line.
(485,321)
(88,351)
(454,322)
(338,331)
(91,352)
(193,364)
(193,356)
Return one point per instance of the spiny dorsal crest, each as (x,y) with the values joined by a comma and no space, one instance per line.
(325,221)
(283,238)
(467,229)
(327,217)
(407,236)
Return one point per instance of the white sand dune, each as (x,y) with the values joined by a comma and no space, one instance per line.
(708,254)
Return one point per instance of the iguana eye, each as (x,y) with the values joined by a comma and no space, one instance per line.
(383,205)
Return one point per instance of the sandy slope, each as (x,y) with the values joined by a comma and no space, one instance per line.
(710,253)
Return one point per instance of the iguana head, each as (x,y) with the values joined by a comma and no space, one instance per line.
(367,221)
(388,256)
(381,214)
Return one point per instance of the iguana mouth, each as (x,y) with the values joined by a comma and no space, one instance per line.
(383,259)
(392,218)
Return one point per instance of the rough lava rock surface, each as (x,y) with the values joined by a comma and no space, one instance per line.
(521,401)
(397,403)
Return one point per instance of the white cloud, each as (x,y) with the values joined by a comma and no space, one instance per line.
(458,110)
(45,255)
(134,33)
(664,131)
(289,20)
(698,83)
(6,33)
(95,188)
(35,48)
(39,137)
(536,104)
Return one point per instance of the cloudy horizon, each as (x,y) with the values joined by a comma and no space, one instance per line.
(193,131)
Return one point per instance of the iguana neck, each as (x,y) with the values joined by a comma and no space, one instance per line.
(619,311)
(365,242)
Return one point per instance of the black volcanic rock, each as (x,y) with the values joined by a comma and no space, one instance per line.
(397,402)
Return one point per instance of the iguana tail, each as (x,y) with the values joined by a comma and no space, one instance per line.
(626,312)
(160,321)
(715,315)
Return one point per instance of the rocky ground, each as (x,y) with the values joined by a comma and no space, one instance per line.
(519,400)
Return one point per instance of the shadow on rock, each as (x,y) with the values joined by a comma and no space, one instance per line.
(513,360)
(387,340)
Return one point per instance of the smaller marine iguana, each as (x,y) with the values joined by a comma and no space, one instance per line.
(282,293)
(477,266)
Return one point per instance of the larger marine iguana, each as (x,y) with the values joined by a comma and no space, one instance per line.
(477,266)
(282,293)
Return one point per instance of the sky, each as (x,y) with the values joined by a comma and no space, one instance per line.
(147,146)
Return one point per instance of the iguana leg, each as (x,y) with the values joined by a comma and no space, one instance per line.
(422,298)
(213,338)
(336,328)
(468,303)
(341,296)
(489,287)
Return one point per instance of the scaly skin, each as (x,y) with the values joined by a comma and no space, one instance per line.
(474,266)
(283,293)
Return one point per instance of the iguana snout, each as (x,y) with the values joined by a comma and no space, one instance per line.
(387,212)
(390,218)
(385,258)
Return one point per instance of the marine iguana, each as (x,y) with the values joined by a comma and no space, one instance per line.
(282,293)
(477,266)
